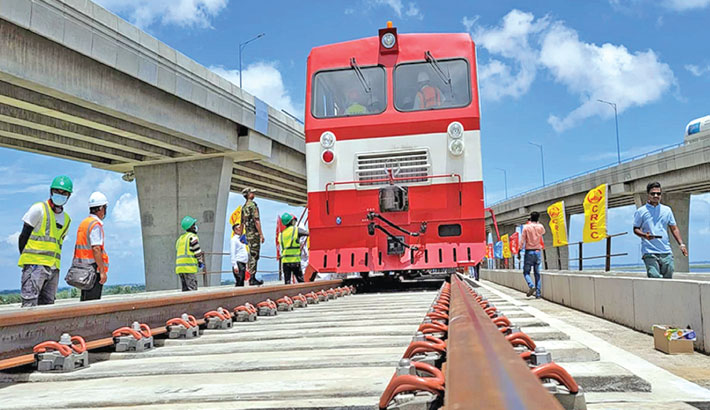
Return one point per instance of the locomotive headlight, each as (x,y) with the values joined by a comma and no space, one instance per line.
(455,130)
(327,139)
(456,147)
(388,40)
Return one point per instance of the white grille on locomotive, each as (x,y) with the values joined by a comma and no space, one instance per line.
(413,165)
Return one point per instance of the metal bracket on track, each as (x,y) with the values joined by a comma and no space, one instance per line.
(66,355)
(218,319)
(136,338)
(183,327)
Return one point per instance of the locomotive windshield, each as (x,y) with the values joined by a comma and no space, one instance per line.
(432,84)
(348,92)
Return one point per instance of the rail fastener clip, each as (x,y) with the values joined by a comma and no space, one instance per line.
(218,319)
(66,355)
(183,327)
(245,313)
(300,301)
(267,308)
(284,304)
(136,338)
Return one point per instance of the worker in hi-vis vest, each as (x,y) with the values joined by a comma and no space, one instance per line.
(40,244)
(291,248)
(89,251)
(190,258)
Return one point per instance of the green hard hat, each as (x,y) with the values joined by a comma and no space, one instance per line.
(62,182)
(286,218)
(187,222)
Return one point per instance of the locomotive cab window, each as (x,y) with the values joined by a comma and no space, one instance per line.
(349,92)
(432,84)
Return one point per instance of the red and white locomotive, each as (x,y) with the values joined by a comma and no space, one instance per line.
(393,155)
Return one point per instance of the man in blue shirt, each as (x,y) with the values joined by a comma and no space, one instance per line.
(650,224)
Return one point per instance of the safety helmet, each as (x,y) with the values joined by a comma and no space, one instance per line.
(286,218)
(187,222)
(97,199)
(62,182)
(422,77)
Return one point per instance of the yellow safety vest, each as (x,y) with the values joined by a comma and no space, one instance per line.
(44,247)
(185,262)
(291,247)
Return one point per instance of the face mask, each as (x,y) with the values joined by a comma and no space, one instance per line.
(195,228)
(59,199)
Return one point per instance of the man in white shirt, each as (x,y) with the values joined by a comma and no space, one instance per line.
(239,255)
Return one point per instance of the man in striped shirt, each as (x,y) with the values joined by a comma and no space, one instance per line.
(531,242)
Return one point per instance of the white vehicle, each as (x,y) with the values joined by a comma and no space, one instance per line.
(697,129)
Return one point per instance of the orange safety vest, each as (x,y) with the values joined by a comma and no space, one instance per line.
(83,254)
(429,97)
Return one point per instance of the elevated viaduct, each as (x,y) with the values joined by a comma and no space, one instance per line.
(78,82)
(681,170)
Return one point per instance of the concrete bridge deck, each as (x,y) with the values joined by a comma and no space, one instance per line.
(78,82)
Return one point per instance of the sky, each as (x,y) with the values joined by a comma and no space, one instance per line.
(542,67)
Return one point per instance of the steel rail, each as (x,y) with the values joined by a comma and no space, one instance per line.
(95,320)
(482,369)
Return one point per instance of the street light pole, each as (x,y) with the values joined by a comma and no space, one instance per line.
(542,161)
(241,47)
(616,119)
(505,180)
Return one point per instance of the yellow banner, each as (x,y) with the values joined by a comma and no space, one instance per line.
(558,223)
(235,218)
(595,214)
(506,246)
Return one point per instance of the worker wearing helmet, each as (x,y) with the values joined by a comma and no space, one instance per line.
(40,244)
(189,259)
(291,248)
(355,102)
(428,95)
(90,264)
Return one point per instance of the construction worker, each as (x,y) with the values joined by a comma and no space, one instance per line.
(40,244)
(89,252)
(252,228)
(428,95)
(190,258)
(291,248)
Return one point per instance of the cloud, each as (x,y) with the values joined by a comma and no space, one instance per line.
(588,71)
(511,40)
(184,13)
(12,239)
(697,70)
(399,9)
(684,5)
(264,80)
(126,211)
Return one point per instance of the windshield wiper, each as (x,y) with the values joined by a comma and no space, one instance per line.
(437,69)
(360,76)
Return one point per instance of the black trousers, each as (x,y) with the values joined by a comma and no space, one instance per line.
(95,292)
(188,281)
(239,273)
(292,269)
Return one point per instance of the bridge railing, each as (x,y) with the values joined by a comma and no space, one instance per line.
(591,171)
(505,263)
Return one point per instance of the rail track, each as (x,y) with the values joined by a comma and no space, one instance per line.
(362,351)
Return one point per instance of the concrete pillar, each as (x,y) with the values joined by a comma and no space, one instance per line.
(168,192)
(680,204)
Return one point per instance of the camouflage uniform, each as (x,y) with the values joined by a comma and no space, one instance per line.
(250,214)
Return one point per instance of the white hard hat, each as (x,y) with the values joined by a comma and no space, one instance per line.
(422,77)
(97,199)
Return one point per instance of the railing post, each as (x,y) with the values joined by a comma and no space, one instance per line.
(607,265)
(544,257)
(580,255)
